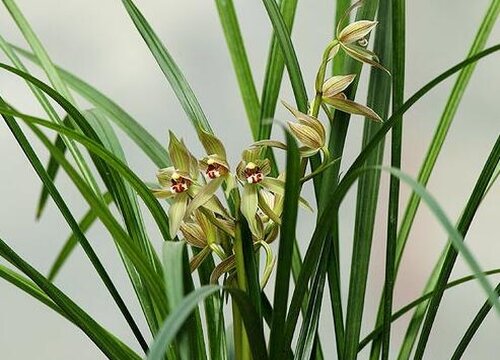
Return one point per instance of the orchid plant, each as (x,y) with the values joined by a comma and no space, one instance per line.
(229,230)
(195,207)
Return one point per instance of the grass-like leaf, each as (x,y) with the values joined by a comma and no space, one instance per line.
(398,86)
(169,68)
(38,167)
(463,225)
(137,133)
(274,71)
(109,345)
(190,344)
(288,52)
(405,309)
(178,316)
(379,94)
(473,327)
(285,251)
(431,158)
(236,46)
(59,85)
(69,245)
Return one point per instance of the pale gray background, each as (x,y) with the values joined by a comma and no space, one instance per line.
(96,40)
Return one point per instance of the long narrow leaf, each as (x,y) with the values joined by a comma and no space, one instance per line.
(274,71)
(167,65)
(38,167)
(285,251)
(70,244)
(110,345)
(236,46)
(451,255)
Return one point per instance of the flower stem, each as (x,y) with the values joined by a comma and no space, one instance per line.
(320,79)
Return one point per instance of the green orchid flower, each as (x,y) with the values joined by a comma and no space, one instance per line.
(200,232)
(177,182)
(308,130)
(353,39)
(215,167)
(333,95)
(252,172)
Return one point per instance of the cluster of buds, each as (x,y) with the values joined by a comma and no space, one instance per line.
(195,207)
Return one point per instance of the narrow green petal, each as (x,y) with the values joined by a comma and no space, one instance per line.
(163,193)
(193,234)
(196,260)
(352,107)
(336,84)
(360,54)
(179,154)
(266,209)
(306,135)
(249,205)
(225,266)
(204,195)
(356,31)
(212,145)
(270,143)
(176,212)
(278,187)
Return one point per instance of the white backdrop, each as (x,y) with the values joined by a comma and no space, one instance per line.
(96,40)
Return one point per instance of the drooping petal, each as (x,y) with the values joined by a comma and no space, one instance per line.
(204,194)
(269,265)
(176,212)
(266,208)
(197,260)
(363,55)
(225,266)
(193,234)
(336,84)
(356,31)
(277,186)
(270,143)
(343,104)
(249,206)
(212,204)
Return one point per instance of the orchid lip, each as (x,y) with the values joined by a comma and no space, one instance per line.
(179,184)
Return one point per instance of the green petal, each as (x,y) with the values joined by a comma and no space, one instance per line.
(196,260)
(352,107)
(204,194)
(193,234)
(306,135)
(356,31)
(270,143)
(270,261)
(176,212)
(364,56)
(225,266)
(212,145)
(213,203)
(336,84)
(266,209)
(181,157)
(163,193)
(249,205)
(278,187)
(164,176)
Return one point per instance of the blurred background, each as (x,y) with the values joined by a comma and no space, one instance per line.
(97,41)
